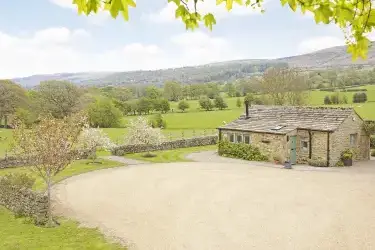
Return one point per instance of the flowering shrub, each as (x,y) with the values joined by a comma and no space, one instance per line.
(141,133)
(92,139)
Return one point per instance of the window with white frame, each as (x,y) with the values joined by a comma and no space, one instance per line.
(353,139)
(231,137)
(247,139)
(239,138)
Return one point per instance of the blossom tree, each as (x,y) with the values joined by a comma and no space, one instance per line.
(141,133)
(93,139)
(49,147)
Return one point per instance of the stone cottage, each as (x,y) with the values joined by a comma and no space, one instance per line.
(300,133)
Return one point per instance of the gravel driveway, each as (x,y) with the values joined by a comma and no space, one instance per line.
(204,206)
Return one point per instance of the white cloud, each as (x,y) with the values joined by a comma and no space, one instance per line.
(95,18)
(200,48)
(57,50)
(318,43)
(167,13)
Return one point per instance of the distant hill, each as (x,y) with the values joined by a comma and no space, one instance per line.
(335,57)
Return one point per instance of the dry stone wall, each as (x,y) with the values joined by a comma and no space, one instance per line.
(182,143)
(13,162)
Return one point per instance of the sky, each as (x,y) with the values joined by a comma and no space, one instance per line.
(48,36)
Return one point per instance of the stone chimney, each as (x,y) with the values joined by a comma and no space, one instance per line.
(247,109)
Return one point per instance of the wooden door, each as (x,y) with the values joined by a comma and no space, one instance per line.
(293,149)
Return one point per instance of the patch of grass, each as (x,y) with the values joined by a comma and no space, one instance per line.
(176,155)
(22,235)
(76,168)
(6,136)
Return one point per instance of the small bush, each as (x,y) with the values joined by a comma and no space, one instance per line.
(373,153)
(360,97)
(241,151)
(339,164)
(317,162)
(327,100)
(158,122)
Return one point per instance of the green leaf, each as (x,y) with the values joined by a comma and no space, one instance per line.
(229,4)
(81,5)
(219,1)
(115,7)
(177,2)
(292,4)
(209,20)
(283,2)
(371,18)
(131,3)
(181,11)
(92,5)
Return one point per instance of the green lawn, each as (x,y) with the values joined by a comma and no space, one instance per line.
(76,168)
(176,155)
(22,235)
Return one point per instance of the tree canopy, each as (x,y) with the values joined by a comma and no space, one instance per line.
(355,17)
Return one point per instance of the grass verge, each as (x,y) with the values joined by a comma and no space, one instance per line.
(21,234)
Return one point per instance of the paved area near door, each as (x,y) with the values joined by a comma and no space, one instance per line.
(225,205)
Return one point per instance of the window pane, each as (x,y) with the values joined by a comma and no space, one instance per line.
(239,138)
(231,137)
(353,139)
(305,145)
(247,139)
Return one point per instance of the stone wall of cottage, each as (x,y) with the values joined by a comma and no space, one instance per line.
(318,144)
(341,139)
(269,144)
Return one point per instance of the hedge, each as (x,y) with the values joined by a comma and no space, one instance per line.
(241,151)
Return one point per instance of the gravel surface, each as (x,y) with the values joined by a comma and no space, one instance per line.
(204,206)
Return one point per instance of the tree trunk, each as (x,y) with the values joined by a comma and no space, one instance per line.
(49,211)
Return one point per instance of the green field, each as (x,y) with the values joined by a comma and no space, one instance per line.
(365,110)
(196,122)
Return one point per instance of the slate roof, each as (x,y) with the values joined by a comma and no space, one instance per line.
(284,119)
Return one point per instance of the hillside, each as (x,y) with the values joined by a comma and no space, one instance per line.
(335,57)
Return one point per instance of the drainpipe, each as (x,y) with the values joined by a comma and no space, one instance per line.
(328,149)
(310,145)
